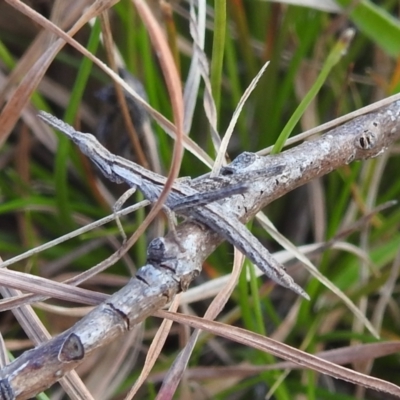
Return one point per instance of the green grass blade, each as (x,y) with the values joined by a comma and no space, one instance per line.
(376,23)
(64,145)
(333,58)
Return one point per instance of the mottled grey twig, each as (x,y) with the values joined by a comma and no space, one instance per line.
(171,268)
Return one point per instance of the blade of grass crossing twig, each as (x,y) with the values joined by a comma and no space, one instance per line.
(332,59)
(228,134)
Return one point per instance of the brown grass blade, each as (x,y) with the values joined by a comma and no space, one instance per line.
(179,366)
(38,333)
(154,350)
(46,287)
(284,351)
(12,110)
